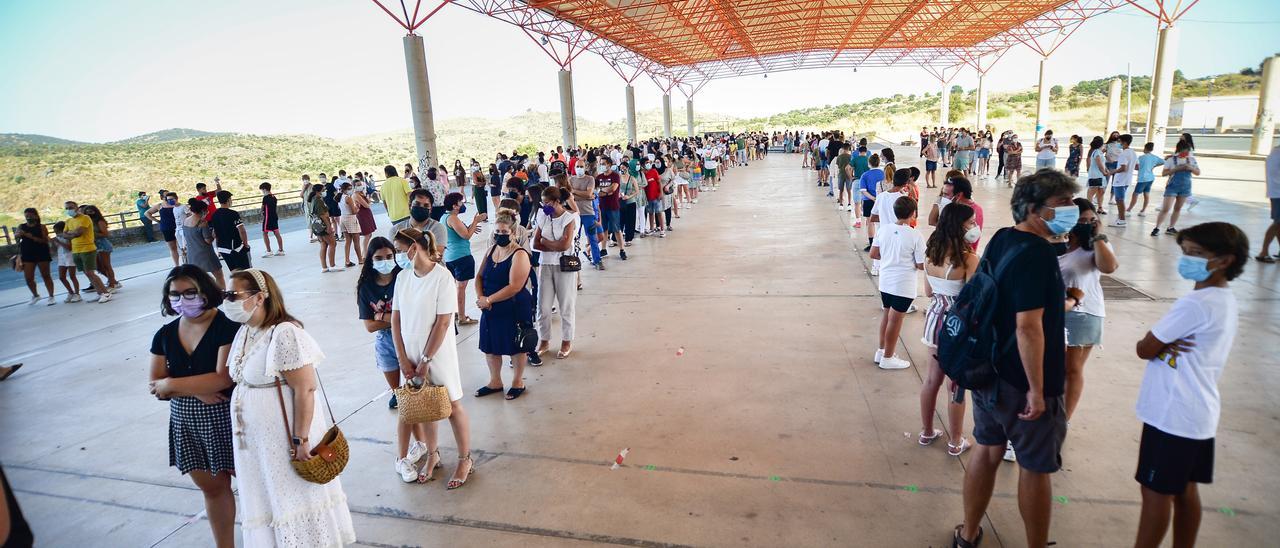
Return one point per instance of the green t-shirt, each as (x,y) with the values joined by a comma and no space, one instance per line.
(842,162)
(860,166)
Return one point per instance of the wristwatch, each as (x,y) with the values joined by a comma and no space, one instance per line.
(299,441)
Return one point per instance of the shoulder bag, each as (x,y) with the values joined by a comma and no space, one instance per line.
(572,262)
(329,455)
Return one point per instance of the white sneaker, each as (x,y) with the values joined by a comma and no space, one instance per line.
(324,270)
(75,298)
(894,362)
(34,299)
(1142,214)
(1008,453)
(105,298)
(911,309)
(662,234)
(280,253)
(1118,223)
(879,355)
(417,450)
(408,473)
(875,271)
(50,301)
(268,254)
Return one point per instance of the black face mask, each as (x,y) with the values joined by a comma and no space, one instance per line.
(1084,235)
(503,240)
(420,213)
(1060,248)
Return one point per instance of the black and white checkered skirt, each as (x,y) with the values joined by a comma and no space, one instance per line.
(200,436)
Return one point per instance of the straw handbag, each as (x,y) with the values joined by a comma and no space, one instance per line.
(328,456)
(426,403)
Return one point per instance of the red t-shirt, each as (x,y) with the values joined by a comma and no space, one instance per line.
(605,181)
(653,190)
(210,198)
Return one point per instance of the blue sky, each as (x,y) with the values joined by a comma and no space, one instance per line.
(99,71)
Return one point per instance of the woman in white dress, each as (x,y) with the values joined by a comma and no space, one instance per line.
(278,507)
(422,327)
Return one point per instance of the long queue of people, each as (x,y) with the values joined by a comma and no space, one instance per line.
(1047,312)
(235,359)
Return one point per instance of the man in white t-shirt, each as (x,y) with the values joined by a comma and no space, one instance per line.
(1273,194)
(1126,166)
(1046,151)
(900,249)
(882,211)
(1179,403)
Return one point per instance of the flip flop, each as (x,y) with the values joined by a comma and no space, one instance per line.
(485,391)
(514,393)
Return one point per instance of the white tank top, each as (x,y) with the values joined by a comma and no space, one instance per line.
(943,286)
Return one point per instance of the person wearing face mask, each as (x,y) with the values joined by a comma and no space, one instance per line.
(33,248)
(504,293)
(436,187)
(322,229)
(1178,402)
(189,370)
(1012,160)
(422,324)
(363,207)
(1023,408)
(1083,258)
(652,187)
(274,363)
(199,236)
(374,294)
(348,224)
(583,188)
(270,221)
(163,214)
(949,263)
(457,253)
(958,190)
(554,237)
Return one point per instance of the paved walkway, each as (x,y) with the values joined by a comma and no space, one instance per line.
(732,358)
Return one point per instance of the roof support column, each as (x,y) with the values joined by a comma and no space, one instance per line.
(568,122)
(424,128)
(1162,88)
(1113,108)
(631,114)
(1042,105)
(981,115)
(1268,105)
(688,113)
(944,106)
(666,114)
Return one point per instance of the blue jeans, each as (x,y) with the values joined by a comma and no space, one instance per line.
(589,228)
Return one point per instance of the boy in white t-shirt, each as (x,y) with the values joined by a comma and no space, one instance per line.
(1122,175)
(900,249)
(1178,402)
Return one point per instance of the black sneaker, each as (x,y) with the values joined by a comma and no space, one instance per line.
(604,252)
(1155,232)
(623,254)
(391,404)
(535,360)
(1170,230)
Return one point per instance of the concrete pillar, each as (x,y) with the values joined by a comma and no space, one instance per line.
(424,127)
(631,114)
(1113,108)
(688,114)
(1163,87)
(666,115)
(981,109)
(568,121)
(1042,107)
(944,106)
(1268,107)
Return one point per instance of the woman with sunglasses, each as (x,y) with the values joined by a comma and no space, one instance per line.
(374,292)
(189,369)
(1083,258)
(273,363)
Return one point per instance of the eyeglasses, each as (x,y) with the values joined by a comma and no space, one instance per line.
(232,296)
(188,295)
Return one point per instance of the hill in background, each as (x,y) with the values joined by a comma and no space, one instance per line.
(40,171)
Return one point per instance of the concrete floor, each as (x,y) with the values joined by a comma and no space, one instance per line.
(771,428)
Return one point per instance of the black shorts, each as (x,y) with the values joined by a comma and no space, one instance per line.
(271,224)
(463,269)
(1096,183)
(901,304)
(236,260)
(1038,443)
(170,234)
(1167,463)
(867,206)
(495,191)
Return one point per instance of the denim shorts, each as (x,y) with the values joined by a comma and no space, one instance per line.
(1142,187)
(384,351)
(653,206)
(1178,189)
(612,220)
(1084,329)
(1119,192)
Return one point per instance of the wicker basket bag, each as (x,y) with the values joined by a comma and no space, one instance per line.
(427,403)
(329,455)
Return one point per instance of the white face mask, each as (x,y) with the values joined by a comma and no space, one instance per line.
(236,312)
(972,234)
(943,202)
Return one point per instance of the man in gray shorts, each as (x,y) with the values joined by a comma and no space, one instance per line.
(1024,407)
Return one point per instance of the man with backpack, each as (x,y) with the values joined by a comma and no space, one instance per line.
(1022,404)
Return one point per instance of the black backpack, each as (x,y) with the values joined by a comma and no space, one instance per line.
(967,345)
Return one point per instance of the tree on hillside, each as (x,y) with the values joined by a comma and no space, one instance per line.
(956,89)
(1055,92)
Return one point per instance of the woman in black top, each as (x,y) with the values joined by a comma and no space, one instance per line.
(189,369)
(33,248)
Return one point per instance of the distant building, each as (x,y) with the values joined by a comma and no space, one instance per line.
(1236,111)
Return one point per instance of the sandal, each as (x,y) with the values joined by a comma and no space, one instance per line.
(928,440)
(956,450)
(563,353)
(471,469)
(1260,258)
(958,541)
(466,320)
(514,392)
(485,391)
(428,472)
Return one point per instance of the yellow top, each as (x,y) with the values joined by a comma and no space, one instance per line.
(395,194)
(84,242)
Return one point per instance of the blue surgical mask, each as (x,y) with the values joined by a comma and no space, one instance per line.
(462,209)
(548,210)
(402,259)
(1195,269)
(1064,219)
(384,266)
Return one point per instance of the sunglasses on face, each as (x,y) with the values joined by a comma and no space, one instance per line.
(233,296)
